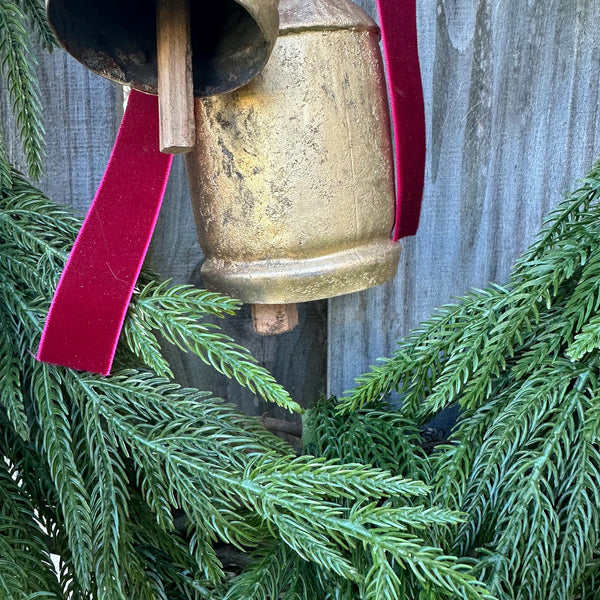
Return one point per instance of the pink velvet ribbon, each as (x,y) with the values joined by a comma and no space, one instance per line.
(88,309)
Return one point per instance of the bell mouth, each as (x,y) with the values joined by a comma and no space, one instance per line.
(117,40)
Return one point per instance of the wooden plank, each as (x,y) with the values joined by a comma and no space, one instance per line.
(511,93)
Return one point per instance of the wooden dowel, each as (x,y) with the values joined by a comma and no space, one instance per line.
(273,319)
(175,80)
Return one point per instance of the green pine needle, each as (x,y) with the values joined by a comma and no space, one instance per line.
(18,68)
(174,312)
(35,11)
(521,362)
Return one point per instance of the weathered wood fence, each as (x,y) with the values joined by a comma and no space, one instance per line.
(511,92)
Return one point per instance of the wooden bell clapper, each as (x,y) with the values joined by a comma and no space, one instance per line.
(175,78)
(88,310)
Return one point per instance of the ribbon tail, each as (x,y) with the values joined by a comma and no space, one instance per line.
(398,19)
(88,309)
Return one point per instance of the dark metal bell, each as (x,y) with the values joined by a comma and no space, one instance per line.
(231,40)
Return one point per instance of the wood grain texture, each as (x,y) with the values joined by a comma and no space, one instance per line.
(511,93)
(175,80)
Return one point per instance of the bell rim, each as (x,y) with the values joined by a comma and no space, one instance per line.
(288,281)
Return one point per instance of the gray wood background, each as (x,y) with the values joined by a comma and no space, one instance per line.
(511,91)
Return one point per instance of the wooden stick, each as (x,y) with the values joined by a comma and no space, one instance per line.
(273,319)
(175,80)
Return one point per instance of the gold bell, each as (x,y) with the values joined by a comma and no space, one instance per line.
(231,40)
(292,175)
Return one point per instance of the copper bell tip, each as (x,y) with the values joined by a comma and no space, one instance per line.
(231,40)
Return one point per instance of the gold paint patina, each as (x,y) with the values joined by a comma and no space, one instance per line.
(292,175)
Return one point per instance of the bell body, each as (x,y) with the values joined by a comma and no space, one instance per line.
(231,40)
(292,175)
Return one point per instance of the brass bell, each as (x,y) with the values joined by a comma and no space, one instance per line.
(117,39)
(292,175)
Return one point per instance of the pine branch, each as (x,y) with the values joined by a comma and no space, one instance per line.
(381,438)
(11,396)
(25,565)
(28,468)
(578,515)
(568,220)
(35,10)
(526,412)
(5,165)
(277,490)
(41,233)
(276,572)
(589,588)
(109,498)
(527,524)
(177,326)
(157,561)
(17,65)
(420,358)
(486,327)
(53,414)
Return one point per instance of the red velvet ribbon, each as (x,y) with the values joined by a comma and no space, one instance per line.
(398,21)
(87,313)
(95,288)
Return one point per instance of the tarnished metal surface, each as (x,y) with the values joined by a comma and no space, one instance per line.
(231,40)
(292,175)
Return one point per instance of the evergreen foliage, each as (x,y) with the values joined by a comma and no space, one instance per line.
(110,462)
(523,461)
(17,64)
(137,486)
